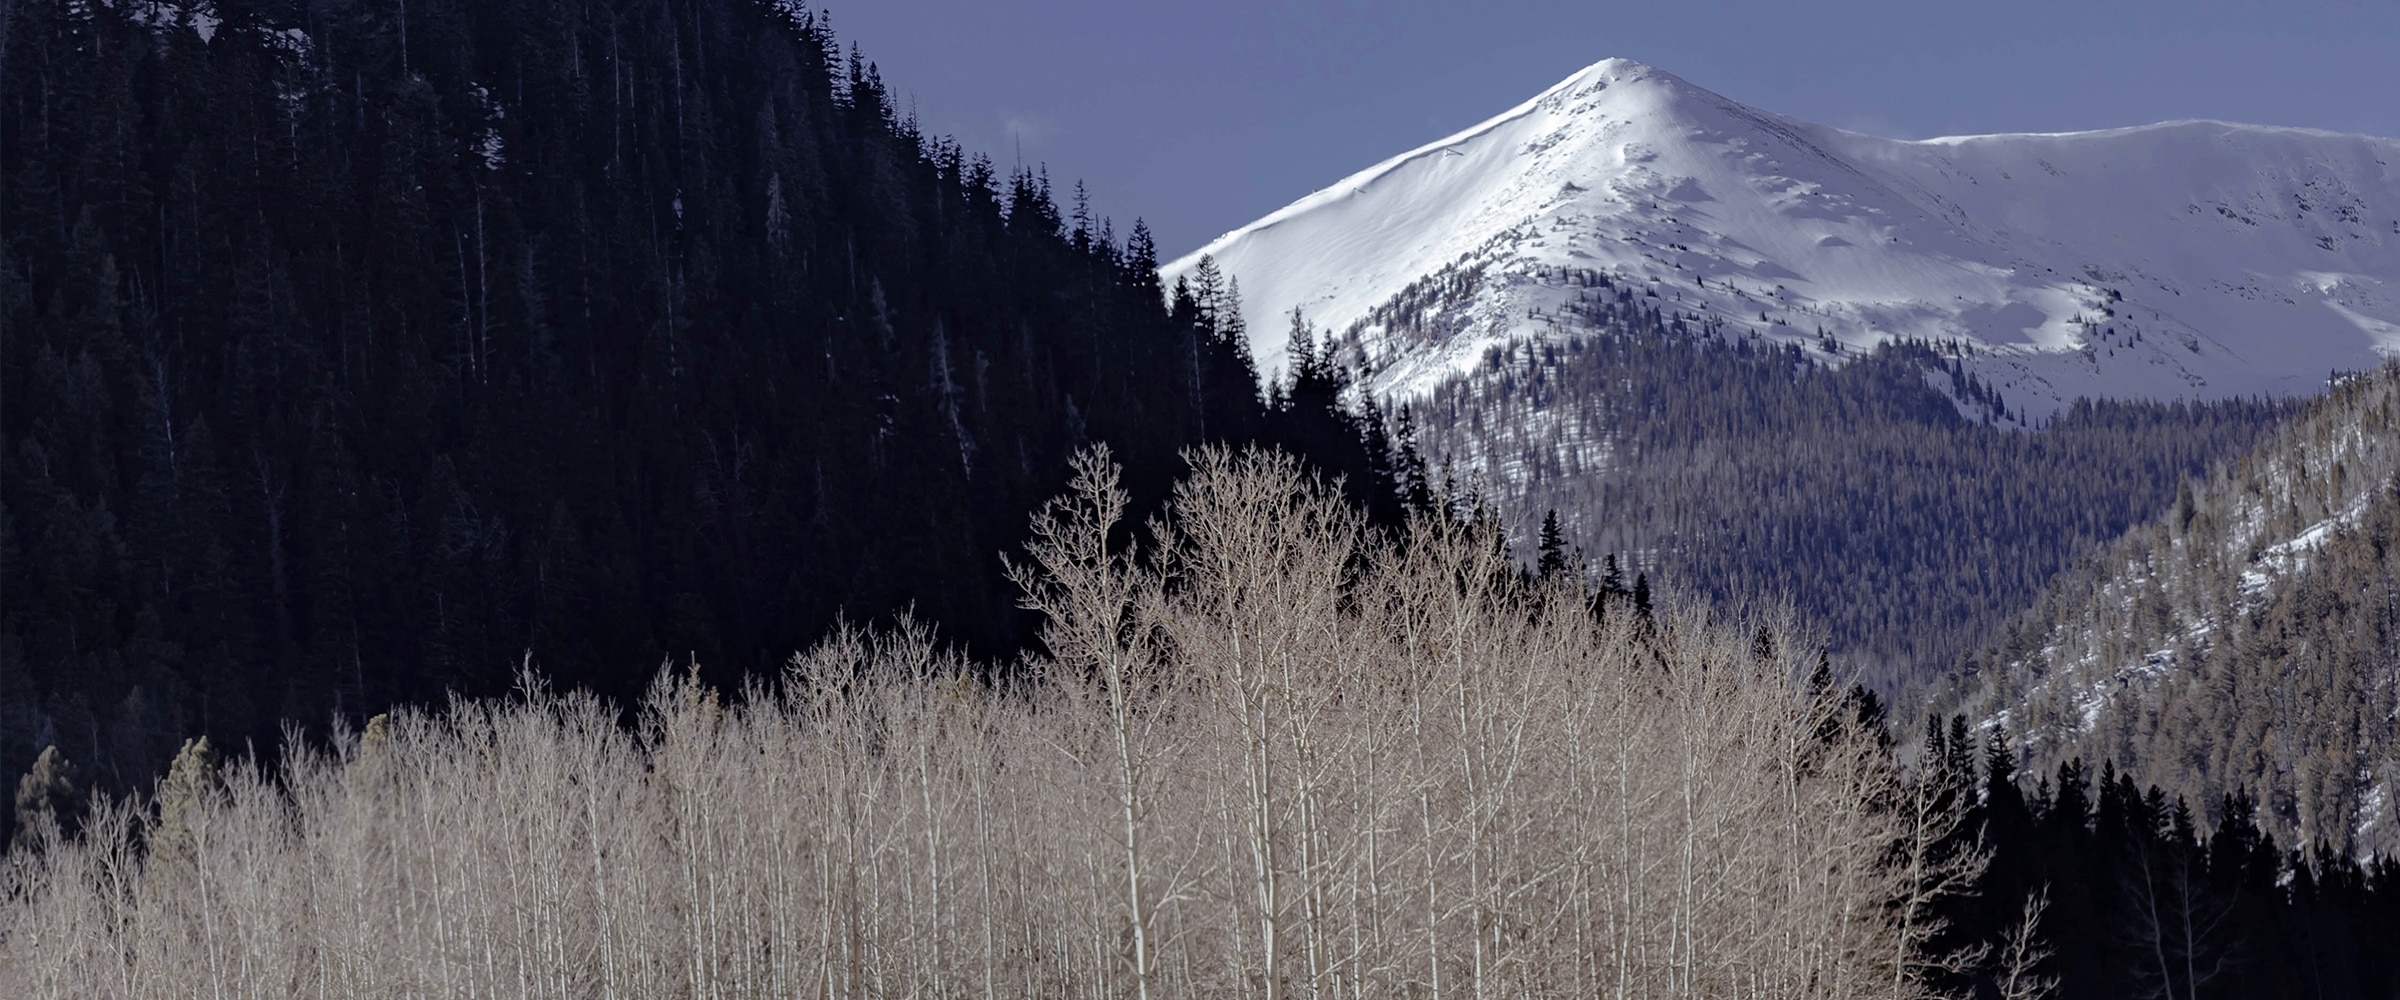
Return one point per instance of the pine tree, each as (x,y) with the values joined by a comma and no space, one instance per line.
(1208,291)
(1376,434)
(1140,269)
(1554,549)
(1416,488)
(185,797)
(48,800)
(1234,329)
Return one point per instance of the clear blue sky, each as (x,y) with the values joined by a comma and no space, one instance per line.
(1201,116)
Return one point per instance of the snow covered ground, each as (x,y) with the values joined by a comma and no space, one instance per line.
(2181,260)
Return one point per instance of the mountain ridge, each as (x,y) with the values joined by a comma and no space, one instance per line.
(2191,259)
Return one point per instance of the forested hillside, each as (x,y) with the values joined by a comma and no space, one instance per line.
(1892,497)
(2246,640)
(355,353)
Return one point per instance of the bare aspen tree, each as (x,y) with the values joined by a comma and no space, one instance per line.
(1271,756)
(2022,954)
(1927,874)
(1094,600)
(1260,560)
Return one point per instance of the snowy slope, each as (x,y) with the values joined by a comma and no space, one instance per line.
(2181,260)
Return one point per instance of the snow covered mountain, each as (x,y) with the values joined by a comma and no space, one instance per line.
(2192,259)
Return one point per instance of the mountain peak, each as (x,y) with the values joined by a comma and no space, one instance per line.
(1625,88)
(2180,260)
(1613,70)
(1620,71)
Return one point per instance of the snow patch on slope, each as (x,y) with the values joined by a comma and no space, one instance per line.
(2292,554)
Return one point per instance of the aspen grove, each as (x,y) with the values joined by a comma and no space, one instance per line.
(1267,753)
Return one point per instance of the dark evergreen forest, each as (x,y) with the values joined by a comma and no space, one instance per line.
(361,353)
(2140,895)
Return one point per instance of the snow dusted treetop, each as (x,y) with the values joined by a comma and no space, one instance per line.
(2193,259)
